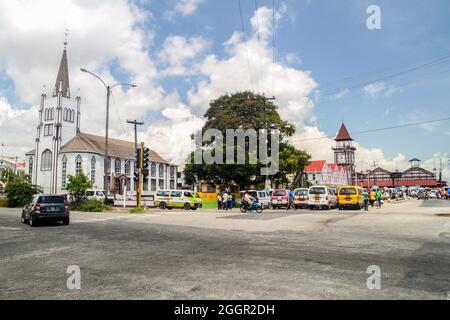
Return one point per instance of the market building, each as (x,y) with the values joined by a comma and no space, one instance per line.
(413,176)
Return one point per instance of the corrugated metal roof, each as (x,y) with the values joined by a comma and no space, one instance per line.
(86,142)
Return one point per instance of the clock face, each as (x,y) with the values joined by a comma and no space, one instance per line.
(341,158)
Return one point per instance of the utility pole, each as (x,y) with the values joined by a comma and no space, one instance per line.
(138,158)
(135,123)
(266,125)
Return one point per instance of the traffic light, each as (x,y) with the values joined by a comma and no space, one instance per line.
(145,163)
(137,165)
(138,160)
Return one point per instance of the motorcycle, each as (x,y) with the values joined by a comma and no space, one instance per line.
(257,207)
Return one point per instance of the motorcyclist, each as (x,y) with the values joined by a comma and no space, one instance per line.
(248,200)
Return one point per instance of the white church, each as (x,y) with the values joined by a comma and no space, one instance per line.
(61,149)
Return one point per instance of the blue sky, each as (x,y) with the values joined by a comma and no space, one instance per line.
(328,39)
(332,41)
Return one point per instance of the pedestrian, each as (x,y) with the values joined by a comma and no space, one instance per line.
(224,201)
(379,195)
(219,201)
(373,197)
(229,201)
(291,201)
(366,200)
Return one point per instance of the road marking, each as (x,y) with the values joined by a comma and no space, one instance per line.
(10,228)
(35,253)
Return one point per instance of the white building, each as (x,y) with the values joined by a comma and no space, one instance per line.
(61,149)
(322,173)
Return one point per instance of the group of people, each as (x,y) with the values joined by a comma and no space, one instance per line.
(372,198)
(225,201)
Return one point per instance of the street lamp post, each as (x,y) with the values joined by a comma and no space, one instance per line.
(108,94)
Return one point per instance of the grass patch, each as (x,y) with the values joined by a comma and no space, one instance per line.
(212,204)
(137,210)
(209,204)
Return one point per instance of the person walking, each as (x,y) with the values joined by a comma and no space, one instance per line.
(219,201)
(379,198)
(366,200)
(224,201)
(291,204)
(229,201)
(373,197)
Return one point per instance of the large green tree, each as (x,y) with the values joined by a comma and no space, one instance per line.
(245,110)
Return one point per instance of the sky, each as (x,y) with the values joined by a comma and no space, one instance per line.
(321,62)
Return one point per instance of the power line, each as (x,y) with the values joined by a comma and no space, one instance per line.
(273,47)
(246,45)
(386,128)
(392,75)
(259,47)
(396,86)
(364,74)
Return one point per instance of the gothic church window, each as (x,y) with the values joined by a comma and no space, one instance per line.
(46,160)
(78,165)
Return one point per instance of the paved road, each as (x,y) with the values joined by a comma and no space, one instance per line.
(211,255)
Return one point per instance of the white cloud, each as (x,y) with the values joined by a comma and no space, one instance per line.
(179,54)
(378,88)
(249,66)
(184,7)
(172,136)
(31,34)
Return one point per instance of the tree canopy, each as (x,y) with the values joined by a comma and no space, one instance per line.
(246,110)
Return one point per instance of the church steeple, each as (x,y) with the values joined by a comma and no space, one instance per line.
(62,80)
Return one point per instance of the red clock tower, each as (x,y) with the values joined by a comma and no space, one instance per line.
(344,152)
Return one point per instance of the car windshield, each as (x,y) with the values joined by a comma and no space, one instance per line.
(51,199)
(89,193)
(347,191)
(100,194)
(301,192)
(317,190)
(279,193)
(188,194)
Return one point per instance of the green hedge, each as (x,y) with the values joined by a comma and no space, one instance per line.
(93,206)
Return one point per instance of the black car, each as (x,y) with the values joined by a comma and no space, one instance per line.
(46,207)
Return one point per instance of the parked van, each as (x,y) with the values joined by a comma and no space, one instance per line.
(301,198)
(350,197)
(168,199)
(321,197)
(262,197)
(280,198)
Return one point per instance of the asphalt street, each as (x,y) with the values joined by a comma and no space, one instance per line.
(228,255)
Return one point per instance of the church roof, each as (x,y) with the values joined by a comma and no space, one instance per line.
(63,77)
(315,166)
(91,143)
(343,134)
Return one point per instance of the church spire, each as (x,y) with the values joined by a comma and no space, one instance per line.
(62,80)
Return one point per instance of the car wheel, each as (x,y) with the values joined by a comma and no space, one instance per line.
(25,221)
(187,206)
(66,221)
(32,221)
(162,206)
